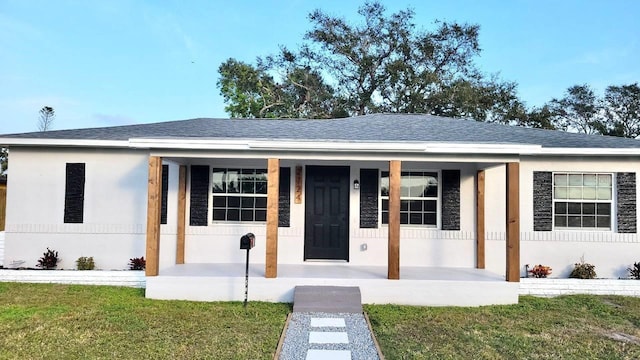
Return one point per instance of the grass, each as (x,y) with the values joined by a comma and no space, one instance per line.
(40,321)
(568,327)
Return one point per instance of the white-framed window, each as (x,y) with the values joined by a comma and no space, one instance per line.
(239,194)
(418,198)
(582,200)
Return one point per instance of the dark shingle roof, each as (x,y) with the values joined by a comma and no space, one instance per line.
(368,128)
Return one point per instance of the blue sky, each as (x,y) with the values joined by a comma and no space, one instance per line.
(104,63)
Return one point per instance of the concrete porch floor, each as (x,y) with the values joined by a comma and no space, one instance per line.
(433,286)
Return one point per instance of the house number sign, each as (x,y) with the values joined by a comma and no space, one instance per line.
(298,196)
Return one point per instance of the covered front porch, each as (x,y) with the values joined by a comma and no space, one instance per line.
(427,286)
(462,281)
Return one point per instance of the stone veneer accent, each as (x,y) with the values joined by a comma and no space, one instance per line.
(542,201)
(284,197)
(450,199)
(199,204)
(165,194)
(369,198)
(626,200)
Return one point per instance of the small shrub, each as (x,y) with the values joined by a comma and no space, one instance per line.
(85,263)
(540,271)
(137,263)
(634,271)
(49,260)
(583,270)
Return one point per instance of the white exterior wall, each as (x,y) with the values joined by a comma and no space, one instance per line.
(114,207)
(219,242)
(612,253)
(115,217)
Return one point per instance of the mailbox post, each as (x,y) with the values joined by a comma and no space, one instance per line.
(247,242)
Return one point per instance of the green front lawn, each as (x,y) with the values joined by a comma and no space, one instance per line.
(78,322)
(568,327)
(40,321)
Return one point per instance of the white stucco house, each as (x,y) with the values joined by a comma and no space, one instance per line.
(414,209)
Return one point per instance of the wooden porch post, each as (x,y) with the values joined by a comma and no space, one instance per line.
(182,206)
(395,175)
(271,266)
(513,222)
(480,221)
(154,201)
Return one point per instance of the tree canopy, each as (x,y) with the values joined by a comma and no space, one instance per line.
(385,63)
(45,120)
(382,64)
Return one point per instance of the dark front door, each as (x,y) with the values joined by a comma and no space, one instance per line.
(327,213)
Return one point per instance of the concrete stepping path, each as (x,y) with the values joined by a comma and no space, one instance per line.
(327,324)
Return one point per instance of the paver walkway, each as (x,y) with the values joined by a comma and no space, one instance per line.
(327,323)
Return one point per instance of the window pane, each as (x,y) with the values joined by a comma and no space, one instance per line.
(589,193)
(560,180)
(219,201)
(604,193)
(561,208)
(560,193)
(247,215)
(574,221)
(261,215)
(588,208)
(233,215)
(248,186)
(603,209)
(261,175)
(247,202)
(385,217)
(415,219)
(604,179)
(404,205)
(589,221)
(589,179)
(219,214)
(261,187)
(404,218)
(217,180)
(574,208)
(604,221)
(430,205)
(232,181)
(233,202)
(415,205)
(261,203)
(384,184)
(561,221)
(575,193)
(385,204)
(430,219)
(575,180)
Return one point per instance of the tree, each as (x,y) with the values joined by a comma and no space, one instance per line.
(47,115)
(622,109)
(579,110)
(382,64)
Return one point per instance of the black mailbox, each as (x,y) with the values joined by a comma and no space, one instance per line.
(247,241)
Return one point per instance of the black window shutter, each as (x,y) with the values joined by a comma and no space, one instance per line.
(199,204)
(74,193)
(284,197)
(542,201)
(450,199)
(165,193)
(369,198)
(626,207)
